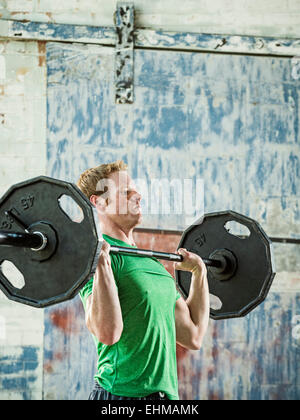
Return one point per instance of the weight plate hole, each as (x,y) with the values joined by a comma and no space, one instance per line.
(71,208)
(12,274)
(215,302)
(237,229)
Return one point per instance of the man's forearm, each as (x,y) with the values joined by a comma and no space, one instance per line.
(104,317)
(198,302)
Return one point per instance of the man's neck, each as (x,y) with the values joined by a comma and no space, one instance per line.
(117,232)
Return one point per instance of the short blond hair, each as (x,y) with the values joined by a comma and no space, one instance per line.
(89,179)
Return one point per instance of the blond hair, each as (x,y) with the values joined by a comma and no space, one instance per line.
(90,178)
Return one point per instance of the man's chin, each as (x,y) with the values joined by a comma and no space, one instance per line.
(138,218)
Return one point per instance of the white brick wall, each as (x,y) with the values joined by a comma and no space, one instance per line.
(22,156)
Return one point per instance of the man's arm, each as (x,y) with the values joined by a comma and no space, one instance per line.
(103,311)
(192,315)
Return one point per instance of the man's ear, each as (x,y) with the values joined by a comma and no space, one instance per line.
(98,202)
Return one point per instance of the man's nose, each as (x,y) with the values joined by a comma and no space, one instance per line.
(135,196)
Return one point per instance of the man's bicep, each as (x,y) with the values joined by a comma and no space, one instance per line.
(182,312)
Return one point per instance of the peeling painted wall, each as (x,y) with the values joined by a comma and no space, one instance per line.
(22,110)
(22,156)
(240,17)
(231,120)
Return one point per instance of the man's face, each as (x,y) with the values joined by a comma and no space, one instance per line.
(122,200)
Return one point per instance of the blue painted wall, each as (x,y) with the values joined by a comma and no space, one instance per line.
(232,121)
(18,371)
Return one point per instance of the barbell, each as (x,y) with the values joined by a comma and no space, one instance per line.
(57,253)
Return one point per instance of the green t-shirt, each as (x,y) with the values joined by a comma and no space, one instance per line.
(143,361)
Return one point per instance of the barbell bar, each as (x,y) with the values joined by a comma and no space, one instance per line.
(57,255)
(37,241)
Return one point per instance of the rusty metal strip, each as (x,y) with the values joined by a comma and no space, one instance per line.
(124,53)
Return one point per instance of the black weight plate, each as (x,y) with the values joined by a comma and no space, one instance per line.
(65,270)
(255,270)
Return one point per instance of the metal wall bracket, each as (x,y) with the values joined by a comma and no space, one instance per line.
(124,59)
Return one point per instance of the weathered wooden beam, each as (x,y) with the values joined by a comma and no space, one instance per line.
(124,67)
(146,38)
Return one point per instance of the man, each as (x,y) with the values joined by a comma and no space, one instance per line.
(133,310)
